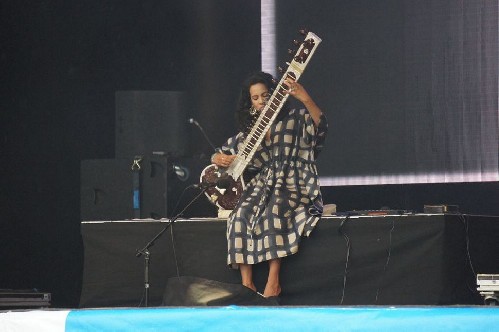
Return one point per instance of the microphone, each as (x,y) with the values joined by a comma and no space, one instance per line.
(193,121)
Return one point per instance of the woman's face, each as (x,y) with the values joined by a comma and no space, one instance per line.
(259,95)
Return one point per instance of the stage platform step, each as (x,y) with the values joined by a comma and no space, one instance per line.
(235,318)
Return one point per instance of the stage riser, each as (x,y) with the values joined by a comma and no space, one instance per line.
(393,260)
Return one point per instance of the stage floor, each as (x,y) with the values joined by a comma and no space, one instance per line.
(236,318)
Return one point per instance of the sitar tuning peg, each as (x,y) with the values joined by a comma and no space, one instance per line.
(309,42)
(296,42)
(290,51)
(303,31)
(280,69)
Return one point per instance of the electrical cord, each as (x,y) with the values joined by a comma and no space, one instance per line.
(378,290)
(348,244)
(466,226)
(347,240)
(462,217)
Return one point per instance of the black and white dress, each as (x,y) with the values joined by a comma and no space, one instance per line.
(283,201)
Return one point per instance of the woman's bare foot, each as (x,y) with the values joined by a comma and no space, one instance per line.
(273,286)
(247,276)
(250,286)
(272,290)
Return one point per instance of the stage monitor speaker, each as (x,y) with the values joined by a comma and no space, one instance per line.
(181,174)
(107,188)
(149,121)
(194,291)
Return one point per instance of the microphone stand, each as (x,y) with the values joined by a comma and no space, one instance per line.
(145,251)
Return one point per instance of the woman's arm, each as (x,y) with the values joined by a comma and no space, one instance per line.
(297,90)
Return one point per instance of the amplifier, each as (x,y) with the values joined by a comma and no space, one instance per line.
(488,286)
(24,298)
(442,208)
(488,282)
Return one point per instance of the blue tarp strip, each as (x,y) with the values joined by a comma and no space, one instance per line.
(234,318)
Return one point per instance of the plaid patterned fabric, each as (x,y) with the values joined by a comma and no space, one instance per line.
(283,201)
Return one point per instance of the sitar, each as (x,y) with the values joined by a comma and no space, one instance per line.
(226,198)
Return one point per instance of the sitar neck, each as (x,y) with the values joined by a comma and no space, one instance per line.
(273,107)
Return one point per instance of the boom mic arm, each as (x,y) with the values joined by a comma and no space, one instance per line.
(193,121)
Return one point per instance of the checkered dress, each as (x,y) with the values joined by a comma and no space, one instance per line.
(283,201)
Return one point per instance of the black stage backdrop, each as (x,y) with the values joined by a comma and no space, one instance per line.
(62,63)
(411,87)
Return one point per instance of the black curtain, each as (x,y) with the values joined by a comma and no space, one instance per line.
(62,63)
(411,88)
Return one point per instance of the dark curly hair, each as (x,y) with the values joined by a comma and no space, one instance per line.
(243,117)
